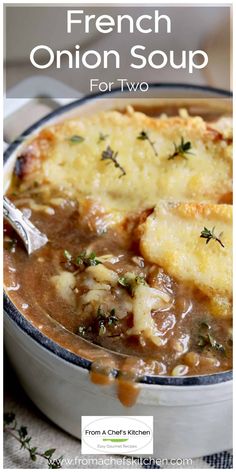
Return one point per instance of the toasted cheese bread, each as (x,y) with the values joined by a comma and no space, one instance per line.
(68,156)
(171,239)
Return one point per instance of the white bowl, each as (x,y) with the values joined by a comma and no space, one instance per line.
(192,415)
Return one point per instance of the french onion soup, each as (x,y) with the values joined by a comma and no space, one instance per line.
(137,274)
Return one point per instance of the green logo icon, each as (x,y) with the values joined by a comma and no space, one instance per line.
(115,440)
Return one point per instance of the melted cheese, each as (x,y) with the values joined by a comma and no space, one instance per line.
(146,300)
(64,284)
(171,239)
(77,168)
(224,126)
(102,274)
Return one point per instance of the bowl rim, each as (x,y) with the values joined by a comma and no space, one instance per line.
(16,316)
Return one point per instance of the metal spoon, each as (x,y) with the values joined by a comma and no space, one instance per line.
(32,238)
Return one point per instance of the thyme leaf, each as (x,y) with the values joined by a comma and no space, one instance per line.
(143,136)
(204,325)
(68,255)
(140,280)
(111,155)
(130,282)
(20,434)
(208,340)
(83,330)
(210,234)
(102,328)
(76,139)
(215,344)
(124,282)
(102,137)
(181,150)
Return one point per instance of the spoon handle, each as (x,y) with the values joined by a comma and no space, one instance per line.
(32,238)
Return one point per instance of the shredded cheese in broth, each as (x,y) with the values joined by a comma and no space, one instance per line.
(137,274)
(146,300)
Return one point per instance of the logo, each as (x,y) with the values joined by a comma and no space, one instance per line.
(117,434)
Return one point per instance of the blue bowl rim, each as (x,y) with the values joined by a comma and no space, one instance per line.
(25,325)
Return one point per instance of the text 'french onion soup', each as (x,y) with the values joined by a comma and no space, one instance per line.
(137,274)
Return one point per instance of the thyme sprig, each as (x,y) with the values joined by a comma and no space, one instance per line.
(143,136)
(20,434)
(181,150)
(210,234)
(111,155)
(88,259)
(105,320)
(206,339)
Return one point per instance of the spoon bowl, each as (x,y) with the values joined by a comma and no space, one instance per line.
(32,238)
